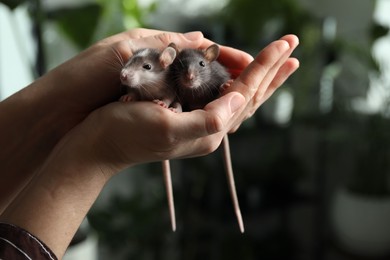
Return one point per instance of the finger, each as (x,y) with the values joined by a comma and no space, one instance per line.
(268,62)
(214,118)
(266,84)
(288,68)
(251,78)
(143,32)
(131,34)
(274,77)
(204,129)
(292,40)
(235,60)
(162,40)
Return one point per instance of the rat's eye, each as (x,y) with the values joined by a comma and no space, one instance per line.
(147,66)
(201,63)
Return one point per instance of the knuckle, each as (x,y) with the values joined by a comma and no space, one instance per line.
(137,31)
(164,38)
(258,98)
(214,124)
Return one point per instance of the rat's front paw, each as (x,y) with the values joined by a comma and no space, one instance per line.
(160,103)
(127,98)
(226,85)
(176,107)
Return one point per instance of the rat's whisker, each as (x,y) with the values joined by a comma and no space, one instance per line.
(118,56)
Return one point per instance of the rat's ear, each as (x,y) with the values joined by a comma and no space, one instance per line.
(167,56)
(211,53)
(173,45)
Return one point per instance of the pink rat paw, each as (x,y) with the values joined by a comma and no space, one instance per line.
(226,85)
(160,102)
(176,107)
(127,98)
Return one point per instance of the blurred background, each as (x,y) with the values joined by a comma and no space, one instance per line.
(312,166)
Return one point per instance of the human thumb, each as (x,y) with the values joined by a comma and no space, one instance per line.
(223,110)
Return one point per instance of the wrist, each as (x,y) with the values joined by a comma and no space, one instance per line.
(57,199)
(95,136)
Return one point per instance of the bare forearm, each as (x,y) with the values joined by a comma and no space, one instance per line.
(57,199)
(29,131)
(34,119)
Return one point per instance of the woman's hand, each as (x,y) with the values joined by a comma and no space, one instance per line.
(38,116)
(125,134)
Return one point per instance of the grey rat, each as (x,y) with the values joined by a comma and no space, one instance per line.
(199,78)
(145,77)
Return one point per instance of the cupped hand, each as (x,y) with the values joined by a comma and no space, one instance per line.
(124,134)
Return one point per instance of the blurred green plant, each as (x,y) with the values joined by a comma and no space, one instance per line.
(254,23)
(82,22)
(78,24)
(134,13)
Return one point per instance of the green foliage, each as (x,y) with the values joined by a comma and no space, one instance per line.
(81,23)
(253,19)
(134,14)
(255,23)
(78,23)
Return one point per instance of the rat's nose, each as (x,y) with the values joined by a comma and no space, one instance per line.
(123,76)
(190,75)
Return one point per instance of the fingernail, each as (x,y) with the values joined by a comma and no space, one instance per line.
(236,102)
(193,36)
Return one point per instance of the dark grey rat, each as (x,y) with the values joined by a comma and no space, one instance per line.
(199,78)
(145,77)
